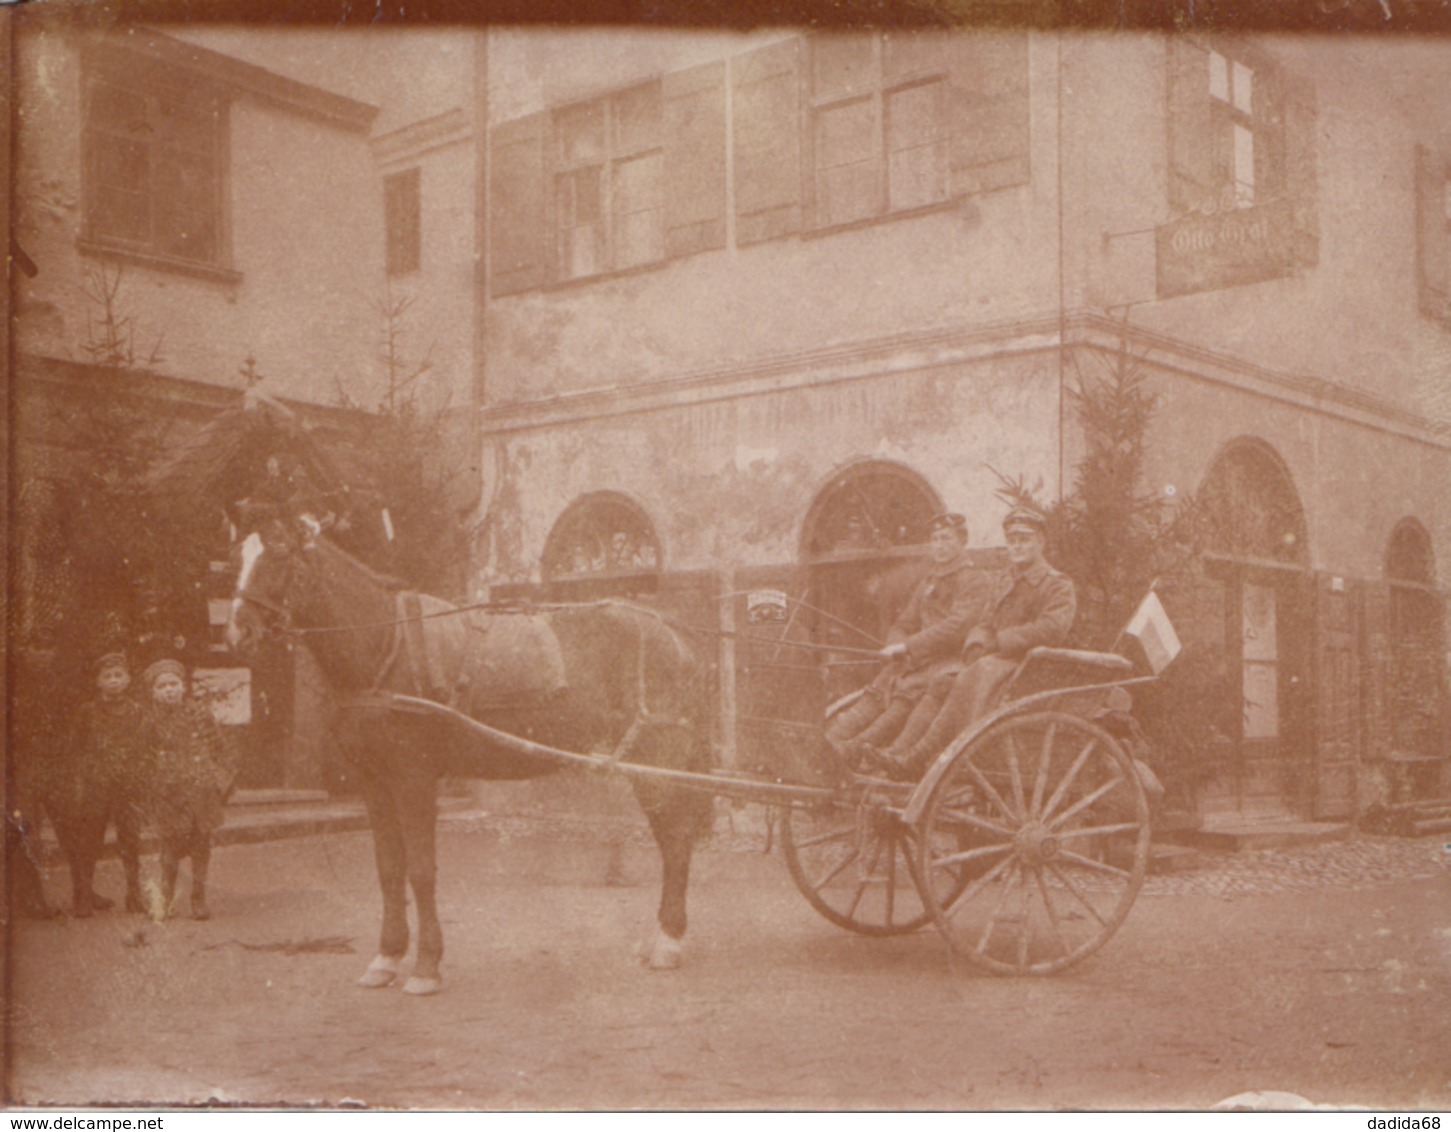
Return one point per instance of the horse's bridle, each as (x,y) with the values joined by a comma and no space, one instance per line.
(280,626)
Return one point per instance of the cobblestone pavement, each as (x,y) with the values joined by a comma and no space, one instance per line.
(1362,861)
(1358,862)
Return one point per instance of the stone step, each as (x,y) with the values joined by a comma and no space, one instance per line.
(1432,825)
(1165,858)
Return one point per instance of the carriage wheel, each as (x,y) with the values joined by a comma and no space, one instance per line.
(853,862)
(1034,844)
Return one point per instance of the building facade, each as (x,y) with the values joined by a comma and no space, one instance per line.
(726,315)
(758,305)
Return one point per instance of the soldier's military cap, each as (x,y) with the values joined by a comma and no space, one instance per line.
(111,660)
(1025,519)
(948,521)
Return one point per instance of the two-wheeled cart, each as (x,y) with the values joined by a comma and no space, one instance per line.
(1025,841)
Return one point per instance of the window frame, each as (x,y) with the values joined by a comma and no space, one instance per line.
(616,151)
(157,84)
(877,92)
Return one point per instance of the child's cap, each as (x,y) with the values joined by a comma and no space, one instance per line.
(157,670)
(111,660)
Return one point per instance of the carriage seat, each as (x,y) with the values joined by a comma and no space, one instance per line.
(1045,668)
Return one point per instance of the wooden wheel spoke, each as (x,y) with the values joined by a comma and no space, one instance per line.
(1025,929)
(946,862)
(977,886)
(1086,801)
(1062,787)
(991,791)
(840,833)
(1016,771)
(841,867)
(1014,870)
(1053,923)
(1096,866)
(981,823)
(1040,781)
(1073,888)
(1095,830)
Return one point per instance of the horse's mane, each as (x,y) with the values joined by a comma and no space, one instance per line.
(389,582)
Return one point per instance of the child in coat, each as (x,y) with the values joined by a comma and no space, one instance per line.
(192,777)
(103,780)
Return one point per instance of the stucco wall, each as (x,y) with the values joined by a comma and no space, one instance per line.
(729,483)
(1352,318)
(987,260)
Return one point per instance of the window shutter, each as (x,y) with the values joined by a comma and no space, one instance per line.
(1301,179)
(695,159)
(519,197)
(1433,249)
(767,137)
(1191,179)
(987,112)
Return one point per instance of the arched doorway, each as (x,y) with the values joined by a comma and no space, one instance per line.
(1257,559)
(602,545)
(861,550)
(1417,654)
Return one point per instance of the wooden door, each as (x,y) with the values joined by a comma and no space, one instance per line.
(1337,700)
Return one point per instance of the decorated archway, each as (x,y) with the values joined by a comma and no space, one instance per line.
(1257,567)
(602,544)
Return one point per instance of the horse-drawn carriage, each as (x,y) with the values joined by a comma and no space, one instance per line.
(1025,841)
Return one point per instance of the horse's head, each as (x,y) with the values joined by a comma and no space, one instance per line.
(268,563)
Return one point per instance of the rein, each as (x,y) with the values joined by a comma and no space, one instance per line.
(557,606)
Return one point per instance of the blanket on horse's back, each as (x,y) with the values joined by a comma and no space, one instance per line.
(479,661)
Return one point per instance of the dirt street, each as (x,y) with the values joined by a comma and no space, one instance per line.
(1291,975)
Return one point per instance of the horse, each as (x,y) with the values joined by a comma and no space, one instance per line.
(606,677)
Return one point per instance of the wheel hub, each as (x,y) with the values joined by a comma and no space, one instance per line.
(1036,844)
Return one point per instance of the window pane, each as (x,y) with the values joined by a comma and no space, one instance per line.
(1218,76)
(912,53)
(639,211)
(847,170)
(916,148)
(184,207)
(582,134)
(844,134)
(637,120)
(1243,88)
(841,64)
(581,249)
(119,189)
(1244,167)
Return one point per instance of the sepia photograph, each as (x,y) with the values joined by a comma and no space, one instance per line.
(693,558)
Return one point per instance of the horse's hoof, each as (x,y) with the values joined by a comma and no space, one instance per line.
(381,972)
(663,953)
(419,985)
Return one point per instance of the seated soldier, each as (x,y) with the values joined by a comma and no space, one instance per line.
(1029,604)
(924,641)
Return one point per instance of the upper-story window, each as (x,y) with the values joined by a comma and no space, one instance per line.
(1433,244)
(878,125)
(1233,125)
(609,195)
(154,163)
(403,227)
(1242,168)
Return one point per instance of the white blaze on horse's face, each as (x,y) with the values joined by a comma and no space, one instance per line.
(251,550)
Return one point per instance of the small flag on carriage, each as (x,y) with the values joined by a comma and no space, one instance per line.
(1151,627)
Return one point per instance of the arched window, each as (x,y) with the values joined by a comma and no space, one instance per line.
(604,542)
(1251,508)
(872,506)
(860,547)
